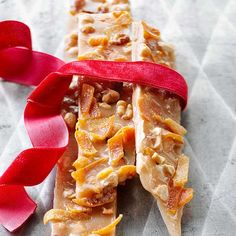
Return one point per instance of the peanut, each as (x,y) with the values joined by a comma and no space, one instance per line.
(158,158)
(100,40)
(110,96)
(71,40)
(103,8)
(162,192)
(104,105)
(70,120)
(88,29)
(120,39)
(168,169)
(128,113)
(87,19)
(121,107)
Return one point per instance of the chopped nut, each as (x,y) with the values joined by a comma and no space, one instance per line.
(71,40)
(103,8)
(87,19)
(108,195)
(129,113)
(121,103)
(162,192)
(121,107)
(104,105)
(158,158)
(87,29)
(73,51)
(100,40)
(120,39)
(76,6)
(110,96)
(70,120)
(107,211)
(168,169)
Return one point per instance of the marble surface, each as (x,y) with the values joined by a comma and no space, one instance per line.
(204,35)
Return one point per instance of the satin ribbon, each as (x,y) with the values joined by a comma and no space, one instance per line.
(45,126)
(20,64)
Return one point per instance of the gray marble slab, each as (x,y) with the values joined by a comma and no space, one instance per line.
(204,35)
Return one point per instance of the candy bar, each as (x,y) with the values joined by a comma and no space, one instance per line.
(104,134)
(162,167)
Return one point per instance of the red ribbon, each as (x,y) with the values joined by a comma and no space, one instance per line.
(46,128)
(18,62)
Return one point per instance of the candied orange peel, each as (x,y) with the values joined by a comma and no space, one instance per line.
(84,143)
(99,128)
(108,229)
(86,98)
(80,174)
(115,147)
(105,173)
(125,172)
(173,136)
(94,111)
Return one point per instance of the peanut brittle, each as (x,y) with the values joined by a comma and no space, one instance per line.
(104,134)
(162,167)
(92,7)
(105,36)
(98,6)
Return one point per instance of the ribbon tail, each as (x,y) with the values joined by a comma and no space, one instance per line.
(15,206)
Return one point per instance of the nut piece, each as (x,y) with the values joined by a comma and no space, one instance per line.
(100,40)
(129,113)
(87,19)
(110,96)
(76,6)
(71,40)
(162,192)
(121,107)
(70,120)
(103,8)
(87,29)
(168,169)
(120,39)
(158,158)
(104,105)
